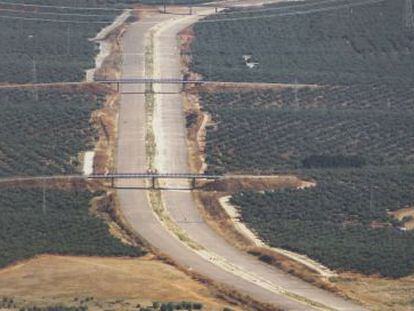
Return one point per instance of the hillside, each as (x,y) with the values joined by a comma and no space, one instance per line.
(338,42)
(45,131)
(349,130)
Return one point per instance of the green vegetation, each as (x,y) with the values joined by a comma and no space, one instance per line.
(351,131)
(44,137)
(342,46)
(60,224)
(7,303)
(44,130)
(343,222)
(170,306)
(156,306)
(61,51)
(272,130)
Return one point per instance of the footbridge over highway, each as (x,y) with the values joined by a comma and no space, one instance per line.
(150,180)
(155,177)
(150,81)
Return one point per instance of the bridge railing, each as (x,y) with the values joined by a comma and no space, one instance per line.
(154,177)
(151,80)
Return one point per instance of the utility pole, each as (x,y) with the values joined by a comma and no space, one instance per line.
(34,75)
(68,40)
(34,68)
(371,198)
(44,198)
(296,94)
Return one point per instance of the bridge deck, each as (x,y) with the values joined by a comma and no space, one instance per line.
(149,175)
(148,80)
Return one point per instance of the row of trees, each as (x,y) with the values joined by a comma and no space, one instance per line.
(342,46)
(62,50)
(45,136)
(388,97)
(359,117)
(343,222)
(57,223)
(255,134)
(43,130)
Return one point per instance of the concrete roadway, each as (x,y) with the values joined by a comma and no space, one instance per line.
(240,271)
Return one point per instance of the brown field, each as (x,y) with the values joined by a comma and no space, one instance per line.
(379,293)
(114,283)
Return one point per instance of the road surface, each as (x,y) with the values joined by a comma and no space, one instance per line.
(219,260)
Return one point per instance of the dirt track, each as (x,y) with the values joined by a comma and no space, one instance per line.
(218,260)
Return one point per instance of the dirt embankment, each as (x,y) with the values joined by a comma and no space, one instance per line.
(105,121)
(208,198)
(210,205)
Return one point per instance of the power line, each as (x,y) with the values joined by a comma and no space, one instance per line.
(59,7)
(240,12)
(53,20)
(281,8)
(53,13)
(310,11)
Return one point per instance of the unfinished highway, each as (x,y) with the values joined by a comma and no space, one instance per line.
(214,258)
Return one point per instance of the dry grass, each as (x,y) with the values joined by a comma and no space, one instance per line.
(254,183)
(379,293)
(195,133)
(58,279)
(105,120)
(111,66)
(212,212)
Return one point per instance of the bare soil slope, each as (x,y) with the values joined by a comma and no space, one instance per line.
(111,281)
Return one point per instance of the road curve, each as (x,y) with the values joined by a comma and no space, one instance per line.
(222,262)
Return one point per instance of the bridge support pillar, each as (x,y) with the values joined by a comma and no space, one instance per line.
(193,183)
(149,88)
(215,9)
(112,182)
(152,182)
